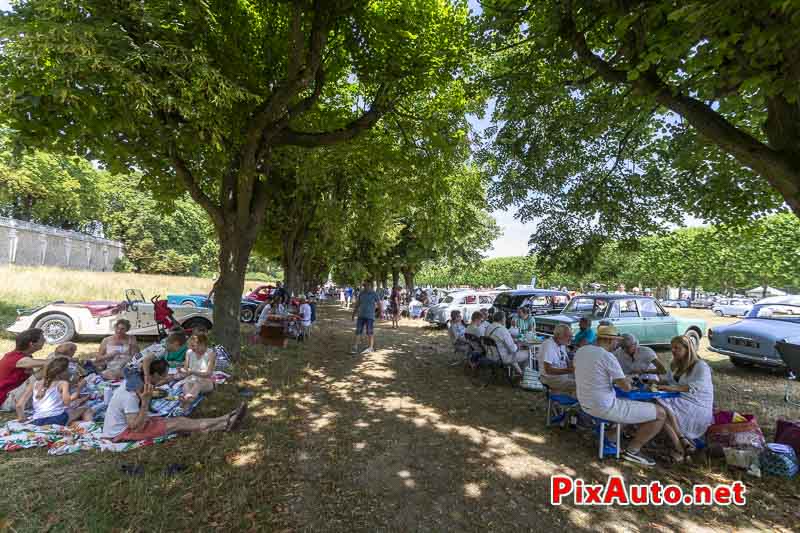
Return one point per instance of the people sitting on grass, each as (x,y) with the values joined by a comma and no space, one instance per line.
(52,398)
(17,366)
(597,372)
(509,352)
(638,361)
(585,335)
(690,414)
(116,351)
(456,331)
(198,369)
(128,419)
(524,321)
(555,367)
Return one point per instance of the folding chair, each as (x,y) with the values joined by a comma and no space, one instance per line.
(566,403)
(491,349)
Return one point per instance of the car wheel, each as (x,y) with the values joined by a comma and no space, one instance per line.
(189,303)
(719,313)
(247,314)
(741,363)
(57,328)
(694,338)
(194,322)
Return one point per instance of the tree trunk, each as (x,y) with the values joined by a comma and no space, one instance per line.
(408,277)
(395,277)
(234,251)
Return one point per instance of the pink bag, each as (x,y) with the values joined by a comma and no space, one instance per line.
(788,432)
(739,435)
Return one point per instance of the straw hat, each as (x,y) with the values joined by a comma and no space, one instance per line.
(607,331)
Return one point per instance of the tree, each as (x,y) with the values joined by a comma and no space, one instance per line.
(615,118)
(199,95)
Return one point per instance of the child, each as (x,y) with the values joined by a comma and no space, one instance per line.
(176,349)
(51,397)
(199,367)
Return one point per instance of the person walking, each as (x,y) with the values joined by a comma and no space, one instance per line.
(394,307)
(365,306)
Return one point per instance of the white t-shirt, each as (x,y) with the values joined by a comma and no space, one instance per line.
(552,352)
(595,372)
(305,312)
(122,403)
(642,363)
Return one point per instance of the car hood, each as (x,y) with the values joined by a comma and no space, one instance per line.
(762,328)
(560,319)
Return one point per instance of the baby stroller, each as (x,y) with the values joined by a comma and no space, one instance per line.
(163,315)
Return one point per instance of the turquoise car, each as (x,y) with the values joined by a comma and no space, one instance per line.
(642,316)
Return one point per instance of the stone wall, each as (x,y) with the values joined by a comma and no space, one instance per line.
(28,244)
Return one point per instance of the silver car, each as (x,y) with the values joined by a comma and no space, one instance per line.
(465,301)
(732,307)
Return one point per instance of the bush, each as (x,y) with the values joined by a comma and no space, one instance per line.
(123,264)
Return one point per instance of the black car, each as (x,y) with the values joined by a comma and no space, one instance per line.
(538,301)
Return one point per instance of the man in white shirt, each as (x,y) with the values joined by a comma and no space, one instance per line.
(555,368)
(597,371)
(509,352)
(636,360)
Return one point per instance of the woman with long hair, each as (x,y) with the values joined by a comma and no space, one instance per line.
(690,414)
(52,398)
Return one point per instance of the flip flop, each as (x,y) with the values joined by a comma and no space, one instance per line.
(132,470)
(241,412)
(174,468)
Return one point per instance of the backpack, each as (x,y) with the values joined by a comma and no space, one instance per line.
(779,460)
(788,432)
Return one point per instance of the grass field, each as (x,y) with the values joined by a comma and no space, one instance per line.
(397,440)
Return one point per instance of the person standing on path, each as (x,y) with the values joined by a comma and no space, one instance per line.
(394,307)
(365,306)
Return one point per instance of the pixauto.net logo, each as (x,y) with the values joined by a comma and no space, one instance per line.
(616,492)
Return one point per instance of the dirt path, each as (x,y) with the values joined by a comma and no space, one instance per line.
(399,440)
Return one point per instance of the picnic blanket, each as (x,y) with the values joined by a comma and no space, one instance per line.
(87,435)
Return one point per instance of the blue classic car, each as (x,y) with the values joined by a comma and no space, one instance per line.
(751,341)
(642,316)
(247,312)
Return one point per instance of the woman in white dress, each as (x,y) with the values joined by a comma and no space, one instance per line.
(116,351)
(690,414)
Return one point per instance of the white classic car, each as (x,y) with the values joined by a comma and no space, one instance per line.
(62,322)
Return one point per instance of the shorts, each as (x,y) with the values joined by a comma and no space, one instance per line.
(368,322)
(153,428)
(58,420)
(628,412)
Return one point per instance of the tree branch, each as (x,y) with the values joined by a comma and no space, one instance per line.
(197,194)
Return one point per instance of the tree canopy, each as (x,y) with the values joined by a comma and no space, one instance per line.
(615,118)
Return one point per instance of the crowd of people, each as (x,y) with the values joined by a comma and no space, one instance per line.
(593,365)
(50,391)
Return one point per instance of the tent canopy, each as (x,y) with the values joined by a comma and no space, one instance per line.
(502,288)
(758,292)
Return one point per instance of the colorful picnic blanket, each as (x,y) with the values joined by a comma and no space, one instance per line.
(87,435)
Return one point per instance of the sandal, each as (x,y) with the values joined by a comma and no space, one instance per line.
(239,416)
(231,420)
(677,457)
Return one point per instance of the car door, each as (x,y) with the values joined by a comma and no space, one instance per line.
(624,314)
(659,325)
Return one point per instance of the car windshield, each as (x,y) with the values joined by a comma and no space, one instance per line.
(594,307)
(448,300)
(786,312)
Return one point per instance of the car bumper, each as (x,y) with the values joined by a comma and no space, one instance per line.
(435,318)
(758,359)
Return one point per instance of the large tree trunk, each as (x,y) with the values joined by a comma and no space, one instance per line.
(234,252)
(292,267)
(395,277)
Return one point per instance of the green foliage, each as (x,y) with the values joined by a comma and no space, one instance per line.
(720,259)
(614,119)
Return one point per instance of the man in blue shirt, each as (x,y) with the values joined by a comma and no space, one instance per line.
(365,305)
(586,335)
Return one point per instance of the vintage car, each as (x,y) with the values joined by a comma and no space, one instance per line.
(642,316)
(680,303)
(465,301)
(732,307)
(752,340)
(260,293)
(62,322)
(247,310)
(537,301)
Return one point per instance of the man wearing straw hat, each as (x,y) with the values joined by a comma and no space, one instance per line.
(597,371)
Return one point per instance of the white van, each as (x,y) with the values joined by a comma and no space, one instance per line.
(465,301)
